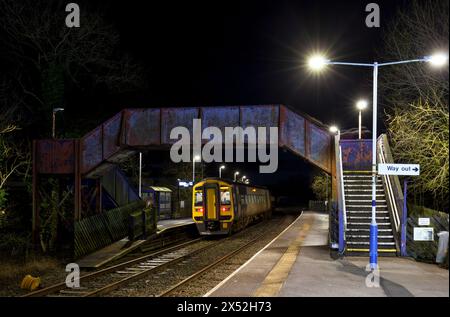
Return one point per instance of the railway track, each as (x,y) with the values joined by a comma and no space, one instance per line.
(116,277)
(172,291)
(129,270)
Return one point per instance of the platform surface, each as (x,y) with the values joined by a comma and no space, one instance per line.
(298,263)
(173,223)
(120,248)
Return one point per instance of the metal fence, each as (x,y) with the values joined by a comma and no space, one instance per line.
(425,250)
(317,205)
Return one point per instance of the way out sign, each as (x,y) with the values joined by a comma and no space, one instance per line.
(399,169)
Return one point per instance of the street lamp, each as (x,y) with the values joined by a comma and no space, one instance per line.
(235,174)
(360,105)
(243,178)
(318,62)
(55,110)
(196,158)
(247,181)
(334,129)
(220,170)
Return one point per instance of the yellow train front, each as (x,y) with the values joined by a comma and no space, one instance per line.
(220,207)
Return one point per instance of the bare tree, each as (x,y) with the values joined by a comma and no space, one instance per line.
(416,95)
(44,55)
(421,30)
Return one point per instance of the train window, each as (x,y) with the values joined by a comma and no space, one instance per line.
(225,197)
(198,198)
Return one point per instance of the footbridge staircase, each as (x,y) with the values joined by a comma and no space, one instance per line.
(354,174)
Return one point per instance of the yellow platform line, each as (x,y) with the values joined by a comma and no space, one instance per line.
(367,250)
(279,273)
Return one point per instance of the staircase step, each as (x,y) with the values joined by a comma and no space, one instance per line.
(367,230)
(368,223)
(364,201)
(366,218)
(364,195)
(378,190)
(368,243)
(366,212)
(366,236)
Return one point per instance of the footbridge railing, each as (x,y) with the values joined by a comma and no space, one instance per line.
(393,190)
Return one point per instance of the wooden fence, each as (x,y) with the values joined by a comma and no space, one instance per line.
(100,230)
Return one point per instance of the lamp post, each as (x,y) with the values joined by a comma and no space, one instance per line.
(317,63)
(235,175)
(243,178)
(360,105)
(55,110)
(220,170)
(196,158)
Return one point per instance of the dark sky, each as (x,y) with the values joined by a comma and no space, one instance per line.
(205,53)
(212,53)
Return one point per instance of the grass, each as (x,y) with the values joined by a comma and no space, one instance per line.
(12,272)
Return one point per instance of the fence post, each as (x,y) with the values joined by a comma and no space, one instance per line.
(404,220)
(144,224)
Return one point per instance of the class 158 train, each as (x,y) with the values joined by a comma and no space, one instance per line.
(221,207)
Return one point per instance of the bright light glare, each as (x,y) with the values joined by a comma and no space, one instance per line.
(438,59)
(361,104)
(237,173)
(317,62)
(334,129)
(222,167)
(196,158)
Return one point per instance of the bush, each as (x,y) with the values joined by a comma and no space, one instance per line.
(13,245)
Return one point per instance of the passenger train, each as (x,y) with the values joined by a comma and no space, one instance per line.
(220,207)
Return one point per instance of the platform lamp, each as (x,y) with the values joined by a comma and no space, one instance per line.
(235,175)
(220,170)
(55,110)
(243,178)
(195,159)
(318,63)
(360,105)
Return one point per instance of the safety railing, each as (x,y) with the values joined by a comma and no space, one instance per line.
(391,184)
(342,213)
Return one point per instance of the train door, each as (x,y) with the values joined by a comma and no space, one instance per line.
(212,203)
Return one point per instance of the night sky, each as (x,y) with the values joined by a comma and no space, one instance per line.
(211,53)
(214,53)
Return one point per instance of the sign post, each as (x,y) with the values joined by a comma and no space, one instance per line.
(405,170)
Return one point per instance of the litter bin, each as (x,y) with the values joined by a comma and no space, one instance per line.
(442,246)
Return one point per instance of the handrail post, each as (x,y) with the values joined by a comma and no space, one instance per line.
(341,231)
(404,220)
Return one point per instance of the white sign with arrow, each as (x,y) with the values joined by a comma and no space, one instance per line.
(399,169)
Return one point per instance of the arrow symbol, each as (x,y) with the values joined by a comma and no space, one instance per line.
(415,169)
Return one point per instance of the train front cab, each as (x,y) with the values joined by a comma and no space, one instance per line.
(213,207)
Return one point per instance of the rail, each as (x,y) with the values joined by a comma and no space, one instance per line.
(391,184)
(342,191)
(342,213)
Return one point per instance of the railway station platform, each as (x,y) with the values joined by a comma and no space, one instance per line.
(298,263)
(124,246)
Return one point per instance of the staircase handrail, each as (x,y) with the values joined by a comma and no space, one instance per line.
(394,194)
(342,192)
